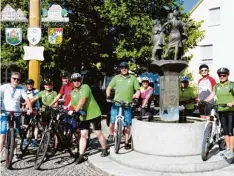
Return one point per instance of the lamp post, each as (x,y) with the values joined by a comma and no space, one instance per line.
(34,21)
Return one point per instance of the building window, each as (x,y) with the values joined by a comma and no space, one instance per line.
(206,52)
(5,75)
(214,16)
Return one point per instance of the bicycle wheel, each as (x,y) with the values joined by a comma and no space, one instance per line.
(73,148)
(118,136)
(42,149)
(53,144)
(206,146)
(10,142)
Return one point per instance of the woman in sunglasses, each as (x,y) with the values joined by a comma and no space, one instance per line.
(205,87)
(225,95)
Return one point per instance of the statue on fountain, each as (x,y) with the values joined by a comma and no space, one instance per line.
(177,37)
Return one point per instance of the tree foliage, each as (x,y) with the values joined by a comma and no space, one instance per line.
(99,31)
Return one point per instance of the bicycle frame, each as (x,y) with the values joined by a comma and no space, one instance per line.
(119,116)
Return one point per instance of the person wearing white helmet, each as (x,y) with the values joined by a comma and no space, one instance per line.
(82,100)
(146,95)
(224,91)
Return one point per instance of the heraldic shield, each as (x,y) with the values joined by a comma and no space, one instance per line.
(13,36)
(55,35)
(34,35)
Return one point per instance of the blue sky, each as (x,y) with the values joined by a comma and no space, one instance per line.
(189,4)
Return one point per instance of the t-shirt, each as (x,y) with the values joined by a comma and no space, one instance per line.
(47,99)
(32,93)
(205,87)
(124,87)
(10,97)
(187,94)
(66,91)
(91,107)
(145,93)
(224,95)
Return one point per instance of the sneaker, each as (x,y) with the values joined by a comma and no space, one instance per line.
(127,146)
(34,143)
(104,153)
(110,138)
(25,142)
(228,154)
(224,151)
(81,159)
(17,157)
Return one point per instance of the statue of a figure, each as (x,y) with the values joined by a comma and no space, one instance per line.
(157,40)
(177,36)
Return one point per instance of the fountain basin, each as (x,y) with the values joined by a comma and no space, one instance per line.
(167,139)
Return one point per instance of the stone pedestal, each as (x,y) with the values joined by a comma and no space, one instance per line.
(169,71)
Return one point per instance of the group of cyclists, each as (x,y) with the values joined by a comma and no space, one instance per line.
(79,99)
(208,91)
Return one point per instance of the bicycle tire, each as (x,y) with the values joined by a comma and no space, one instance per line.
(205,142)
(10,142)
(118,136)
(42,149)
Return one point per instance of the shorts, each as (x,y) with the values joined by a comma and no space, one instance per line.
(227,122)
(127,113)
(204,110)
(96,122)
(4,123)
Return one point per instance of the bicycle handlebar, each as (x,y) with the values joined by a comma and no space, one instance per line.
(215,105)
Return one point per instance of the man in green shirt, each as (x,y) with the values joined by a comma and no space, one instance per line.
(187,97)
(126,89)
(82,101)
(224,91)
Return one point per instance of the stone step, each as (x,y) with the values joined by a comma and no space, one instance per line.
(186,164)
(112,168)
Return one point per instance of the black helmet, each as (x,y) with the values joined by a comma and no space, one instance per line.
(223,70)
(123,64)
(48,81)
(203,66)
(64,73)
(76,76)
(29,81)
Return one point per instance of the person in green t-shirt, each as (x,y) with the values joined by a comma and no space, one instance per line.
(187,97)
(225,95)
(126,89)
(46,96)
(82,101)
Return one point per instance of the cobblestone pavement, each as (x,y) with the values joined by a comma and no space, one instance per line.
(61,164)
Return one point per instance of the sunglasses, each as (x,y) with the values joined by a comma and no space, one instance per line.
(222,76)
(77,80)
(184,81)
(204,70)
(123,67)
(15,79)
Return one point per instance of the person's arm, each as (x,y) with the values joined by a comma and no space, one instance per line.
(84,97)
(55,101)
(136,88)
(210,97)
(81,104)
(28,102)
(110,87)
(108,91)
(35,98)
(149,95)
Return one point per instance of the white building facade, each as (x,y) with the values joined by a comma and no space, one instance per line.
(217,47)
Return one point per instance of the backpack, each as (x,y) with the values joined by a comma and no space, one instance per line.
(231,88)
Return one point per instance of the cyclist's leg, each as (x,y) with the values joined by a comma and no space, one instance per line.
(224,124)
(3,130)
(114,113)
(97,126)
(127,123)
(230,118)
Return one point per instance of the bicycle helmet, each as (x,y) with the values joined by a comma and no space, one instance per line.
(184,79)
(48,81)
(146,79)
(223,70)
(29,81)
(123,64)
(203,66)
(76,76)
(64,73)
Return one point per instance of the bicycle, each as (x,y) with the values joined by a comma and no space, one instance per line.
(58,134)
(118,130)
(27,133)
(213,133)
(10,141)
